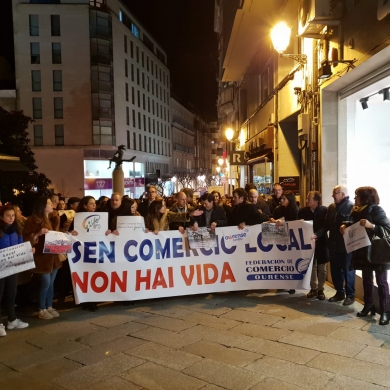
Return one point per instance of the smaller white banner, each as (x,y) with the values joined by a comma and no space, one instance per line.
(91,224)
(126,224)
(203,237)
(355,237)
(273,234)
(15,259)
(57,242)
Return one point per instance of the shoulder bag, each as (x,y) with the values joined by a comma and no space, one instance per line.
(379,251)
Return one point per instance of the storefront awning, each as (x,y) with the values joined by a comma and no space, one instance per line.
(264,157)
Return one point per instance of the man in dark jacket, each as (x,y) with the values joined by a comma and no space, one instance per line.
(259,202)
(213,215)
(180,206)
(244,213)
(340,260)
(144,205)
(317,213)
(274,200)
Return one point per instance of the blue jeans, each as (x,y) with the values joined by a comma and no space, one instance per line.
(340,264)
(47,290)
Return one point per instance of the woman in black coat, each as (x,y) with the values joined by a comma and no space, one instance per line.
(373,218)
(287,209)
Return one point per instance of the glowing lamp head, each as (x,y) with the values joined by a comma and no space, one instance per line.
(229,133)
(280,36)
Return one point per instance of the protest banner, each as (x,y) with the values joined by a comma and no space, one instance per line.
(355,237)
(15,259)
(145,265)
(129,225)
(91,224)
(57,242)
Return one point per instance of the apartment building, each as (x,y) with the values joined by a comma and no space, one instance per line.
(92,78)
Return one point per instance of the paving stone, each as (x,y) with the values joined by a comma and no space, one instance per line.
(175,312)
(340,382)
(223,375)
(59,337)
(6,373)
(210,320)
(375,355)
(110,320)
(165,356)
(374,327)
(251,317)
(16,348)
(168,323)
(317,327)
(115,383)
(215,310)
(166,337)
(23,381)
(112,333)
(279,350)
(359,336)
(362,370)
(64,323)
(346,321)
(323,344)
(89,375)
(222,354)
(154,377)
(52,368)
(103,351)
(297,374)
(274,384)
(211,387)
(286,312)
(223,337)
(260,331)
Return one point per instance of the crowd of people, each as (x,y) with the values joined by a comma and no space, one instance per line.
(180,211)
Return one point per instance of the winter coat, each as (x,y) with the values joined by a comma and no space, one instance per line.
(247,213)
(217,215)
(10,238)
(376,215)
(44,263)
(176,224)
(289,214)
(319,228)
(337,214)
(153,224)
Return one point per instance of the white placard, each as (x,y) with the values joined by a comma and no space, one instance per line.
(91,224)
(273,234)
(15,259)
(203,237)
(130,224)
(355,237)
(57,242)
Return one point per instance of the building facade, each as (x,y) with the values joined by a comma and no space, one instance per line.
(92,78)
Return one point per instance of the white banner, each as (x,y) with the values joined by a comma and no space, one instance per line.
(57,242)
(91,224)
(15,259)
(144,265)
(355,237)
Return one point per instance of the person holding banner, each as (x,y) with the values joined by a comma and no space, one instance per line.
(374,219)
(159,218)
(47,265)
(10,235)
(213,216)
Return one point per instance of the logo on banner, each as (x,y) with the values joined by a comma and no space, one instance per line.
(351,233)
(302,265)
(91,223)
(238,236)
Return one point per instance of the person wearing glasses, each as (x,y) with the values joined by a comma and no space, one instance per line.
(151,197)
(340,261)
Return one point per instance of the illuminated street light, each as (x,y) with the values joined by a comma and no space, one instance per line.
(173,179)
(221,161)
(218,169)
(229,133)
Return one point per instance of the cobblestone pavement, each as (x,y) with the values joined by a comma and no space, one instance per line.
(243,340)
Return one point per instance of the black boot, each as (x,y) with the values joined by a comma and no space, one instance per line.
(384,320)
(368,308)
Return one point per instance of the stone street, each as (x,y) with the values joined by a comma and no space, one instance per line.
(258,340)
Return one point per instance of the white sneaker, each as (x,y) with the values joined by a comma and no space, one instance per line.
(44,315)
(2,330)
(53,312)
(17,324)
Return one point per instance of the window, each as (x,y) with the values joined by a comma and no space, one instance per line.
(147,84)
(36,80)
(143,59)
(34,25)
(154,127)
(158,147)
(139,98)
(148,104)
(55,53)
(127,116)
(128,139)
(139,142)
(139,120)
(150,145)
(127,91)
(58,108)
(145,143)
(57,80)
(131,49)
(55,25)
(154,145)
(126,68)
(144,117)
(38,135)
(151,66)
(147,63)
(137,76)
(158,128)
(132,72)
(134,141)
(59,135)
(143,101)
(137,53)
(120,15)
(149,123)
(143,80)
(134,124)
(132,95)
(37,108)
(35,53)
(135,30)
(125,43)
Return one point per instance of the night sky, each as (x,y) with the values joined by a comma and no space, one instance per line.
(184,29)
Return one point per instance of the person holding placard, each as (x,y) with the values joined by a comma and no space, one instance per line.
(374,219)
(47,265)
(10,235)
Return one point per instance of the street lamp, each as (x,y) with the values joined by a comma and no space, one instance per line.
(218,169)
(221,161)
(280,36)
(229,133)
